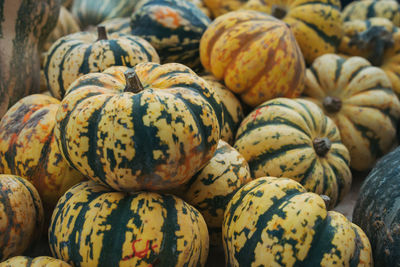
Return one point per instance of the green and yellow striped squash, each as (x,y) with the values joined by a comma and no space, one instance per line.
(293,138)
(42,261)
(131,138)
(360,100)
(94,226)
(316,24)
(365,9)
(173,27)
(276,222)
(92,12)
(117,25)
(24,26)
(255,54)
(232,108)
(21,215)
(210,190)
(28,148)
(81,53)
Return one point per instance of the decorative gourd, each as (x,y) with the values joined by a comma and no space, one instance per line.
(210,190)
(117,25)
(80,53)
(365,9)
(275,222)
(359,99)
(293,138)
(93,12)
(43,261)
(232,108)
(316,24)
(28,148)
(200,4)
(173,27)
(377,209)
(151,127)
(23,24)
(134,229)
(21,215)
(255,54)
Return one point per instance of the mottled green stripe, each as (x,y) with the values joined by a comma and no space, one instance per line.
(10,219)
(332,40)
(355,259)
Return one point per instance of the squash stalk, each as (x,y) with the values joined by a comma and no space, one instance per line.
(101,33)
(278,11)
(326,199)
(332,104)
(133,83)
(322,146)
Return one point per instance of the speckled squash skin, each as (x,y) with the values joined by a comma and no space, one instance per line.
(359,99)
(276,222)
(91,12)
(24,25)
(255,54)
(293,138)
(21,215)
(173,27)
(232,108)
(144,228)
(210,190)
(43,261)
(80,53)
(117,25)
(156,139)
(365,9)
(377,209)
(28,148)
(316,24)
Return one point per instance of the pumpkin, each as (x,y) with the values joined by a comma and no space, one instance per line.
(21,215)
(144,228)
(151,127)
(231,106)
(23,24)
(365,9)
(28,148)
(91,12)
(276,222)
(173,27)
(42,261)
(293,138)
(316,24)
(359,99)
(84,52)
(255,54)
(210,190)
(376,210)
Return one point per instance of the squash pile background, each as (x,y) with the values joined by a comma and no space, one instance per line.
(193,132)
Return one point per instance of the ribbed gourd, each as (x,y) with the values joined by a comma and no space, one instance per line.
(81,53)
(276,222)
(95,226)
(21,215)
(151,127)
(42,261)
(360,100)
(293,138)
(256,55)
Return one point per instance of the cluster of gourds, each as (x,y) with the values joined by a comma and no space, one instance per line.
(145,133)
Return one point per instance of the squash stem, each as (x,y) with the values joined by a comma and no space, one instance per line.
(278,11)
(322,146)
(133,83)
(326,199)
(101,33)
(332,104)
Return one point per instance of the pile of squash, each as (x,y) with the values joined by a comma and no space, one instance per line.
(183,132)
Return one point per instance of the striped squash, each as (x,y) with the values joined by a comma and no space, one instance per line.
(249,51)
(232,108)
(80,53)
(21,215)
(316,24)
(200,4)
(92,12)
(137,229)
(293,138)
(28,148)
(365,9)
(173,27)
(151,127)
(210,190)
(359,99)
(117,25)
(275,222)
(23,24)
(42,261)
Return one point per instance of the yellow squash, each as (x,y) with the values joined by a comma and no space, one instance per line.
(42,261)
